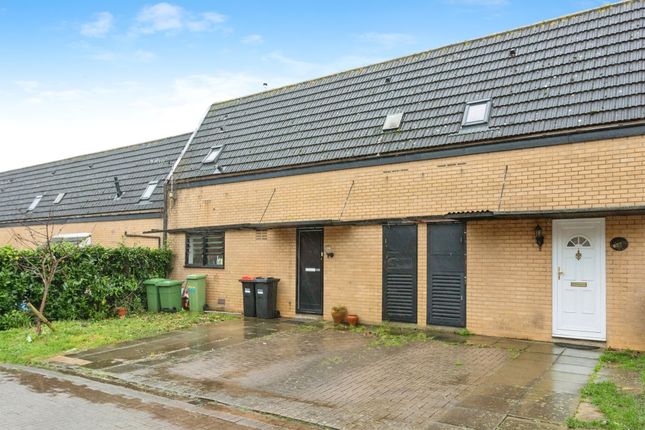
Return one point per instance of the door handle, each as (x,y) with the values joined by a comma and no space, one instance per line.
(560,273)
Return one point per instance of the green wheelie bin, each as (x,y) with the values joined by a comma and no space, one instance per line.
(170,295)
(152,293)
(196,292)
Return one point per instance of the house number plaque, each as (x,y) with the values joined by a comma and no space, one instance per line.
(618,244)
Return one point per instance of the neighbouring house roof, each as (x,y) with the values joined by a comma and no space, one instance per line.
(88,183)
(577,72)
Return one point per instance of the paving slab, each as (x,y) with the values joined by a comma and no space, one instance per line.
(628,380)
(547,406)
(578,361)
(442,426)
(583,353)
(545,348)
(514,423)
(495,398)
(556,386)
(588,412)
(471,418)
(562,376)
(537,358)
(572,368)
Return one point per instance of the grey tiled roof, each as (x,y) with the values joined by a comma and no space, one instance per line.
(88,182)
(580,71)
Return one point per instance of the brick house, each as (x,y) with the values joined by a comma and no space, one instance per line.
(107,198)
(496,184)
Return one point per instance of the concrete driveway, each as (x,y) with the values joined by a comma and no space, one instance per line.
(338,379)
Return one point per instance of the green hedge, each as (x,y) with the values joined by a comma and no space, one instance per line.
(90,283)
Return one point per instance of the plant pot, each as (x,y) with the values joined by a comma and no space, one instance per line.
(352,320)
(339,316)
(121,312)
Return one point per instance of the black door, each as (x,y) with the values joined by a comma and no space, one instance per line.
(310,272)
(400,273)
(446,274)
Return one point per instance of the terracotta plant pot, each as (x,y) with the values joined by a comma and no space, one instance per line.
(121,312)
(339,315)
(352,320)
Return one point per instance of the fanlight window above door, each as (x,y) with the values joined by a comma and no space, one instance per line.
(578,241)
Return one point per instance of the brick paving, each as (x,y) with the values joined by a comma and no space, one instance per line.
(337,379)
(333,378)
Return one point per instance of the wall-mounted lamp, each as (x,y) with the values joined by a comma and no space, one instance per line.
(539,238)
(329,252)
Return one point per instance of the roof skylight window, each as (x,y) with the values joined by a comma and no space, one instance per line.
(476,112)
(59,198)
(213,155)
(393,121)
(33,204)
(149,190)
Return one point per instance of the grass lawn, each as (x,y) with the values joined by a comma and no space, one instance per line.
(623,410)
(80,335)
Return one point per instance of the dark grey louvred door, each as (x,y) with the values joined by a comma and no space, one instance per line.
(446,275)
(400,273)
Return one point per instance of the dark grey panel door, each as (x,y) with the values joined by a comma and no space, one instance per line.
(310,272)
(446,274)
(400,273)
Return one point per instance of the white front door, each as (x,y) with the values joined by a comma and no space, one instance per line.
(579,278)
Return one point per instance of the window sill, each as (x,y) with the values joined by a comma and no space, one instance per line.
(198,266)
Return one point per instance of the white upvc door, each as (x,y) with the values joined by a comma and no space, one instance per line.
(579,309)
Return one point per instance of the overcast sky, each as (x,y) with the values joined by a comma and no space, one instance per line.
(83,76)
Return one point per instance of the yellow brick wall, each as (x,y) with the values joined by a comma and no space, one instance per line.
(597,174)
(244,255)
(508,290)
(353,277)
(106,233)
(626,284)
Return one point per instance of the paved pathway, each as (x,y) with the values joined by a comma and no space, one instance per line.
(336,379)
